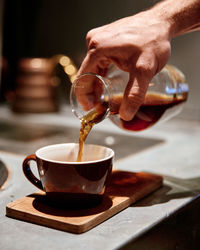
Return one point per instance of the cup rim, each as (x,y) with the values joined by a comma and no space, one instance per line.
(37,153)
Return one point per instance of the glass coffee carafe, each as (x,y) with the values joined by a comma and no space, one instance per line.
(94,97)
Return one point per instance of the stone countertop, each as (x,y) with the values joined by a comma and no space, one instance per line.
(170,149)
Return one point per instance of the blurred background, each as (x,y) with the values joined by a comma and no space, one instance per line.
(46,28)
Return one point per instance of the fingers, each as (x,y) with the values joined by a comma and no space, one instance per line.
(136,88)
(134,96)
(89,64)
(85,84)
(89,87)
(83,90)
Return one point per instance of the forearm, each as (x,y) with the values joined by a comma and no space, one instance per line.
(183,16)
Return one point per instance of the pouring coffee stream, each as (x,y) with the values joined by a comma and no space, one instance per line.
(87,122)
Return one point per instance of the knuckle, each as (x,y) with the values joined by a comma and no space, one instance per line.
(93,40)
(163,56)
(167,46)
(90,34)
(144,68)
(165,51)
(146,65)
(94,44)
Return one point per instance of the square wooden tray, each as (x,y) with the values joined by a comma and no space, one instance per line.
(125,188)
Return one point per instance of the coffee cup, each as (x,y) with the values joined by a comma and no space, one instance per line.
(67,182)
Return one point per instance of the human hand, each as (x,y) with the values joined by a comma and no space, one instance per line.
(139,45)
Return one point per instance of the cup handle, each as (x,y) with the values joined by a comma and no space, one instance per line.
(29,174)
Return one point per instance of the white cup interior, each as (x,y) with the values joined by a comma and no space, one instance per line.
(67,152)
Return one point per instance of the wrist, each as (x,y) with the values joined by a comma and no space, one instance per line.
(179,16)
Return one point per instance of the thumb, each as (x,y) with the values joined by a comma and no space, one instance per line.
(133,98)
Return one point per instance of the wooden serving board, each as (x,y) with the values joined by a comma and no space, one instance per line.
(125,188)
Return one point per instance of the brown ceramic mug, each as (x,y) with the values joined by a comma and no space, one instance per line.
(66,181)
